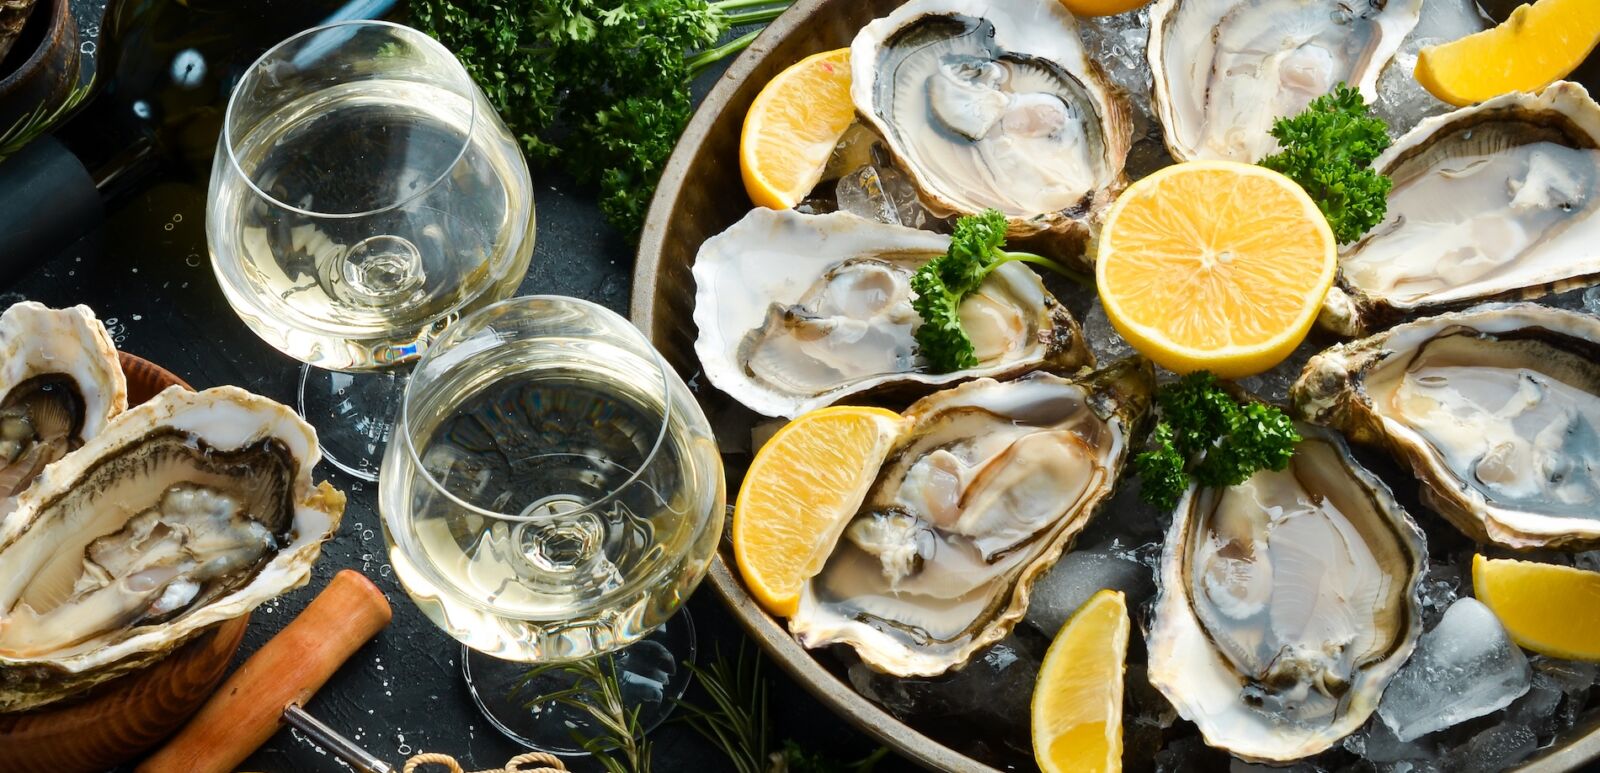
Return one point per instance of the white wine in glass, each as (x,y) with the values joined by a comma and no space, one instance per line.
(364,196)
(553,493)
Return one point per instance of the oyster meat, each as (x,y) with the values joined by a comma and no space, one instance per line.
(987,486)
(1497,200)
(1496,409)
(60,384)
(1287,603)
(187,511)
(796,312)
(996,105)
(1226,69)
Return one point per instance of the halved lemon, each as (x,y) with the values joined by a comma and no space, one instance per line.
(1536,46)
(792,128)
(802,489)
(1215,265)
(1552,610)
(1102,7)
(1077,699)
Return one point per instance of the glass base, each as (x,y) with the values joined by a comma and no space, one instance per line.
(651,672)
(354,414)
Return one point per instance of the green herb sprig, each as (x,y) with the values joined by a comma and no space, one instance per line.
(1328,149)
(619,745)
(1206,435)
(600,87)
(942,283)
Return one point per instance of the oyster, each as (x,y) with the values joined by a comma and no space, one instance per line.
(1226,69)
(1496,409)
(988,485)
(1287,603)
(1497,200)
(996,105)
(187,511)
(799,311)
(60,383)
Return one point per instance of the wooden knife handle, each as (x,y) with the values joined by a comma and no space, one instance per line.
(248,708)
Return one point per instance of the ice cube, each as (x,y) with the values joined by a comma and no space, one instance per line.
(1273,385)
(1439,589)
(1376,743)
(1591,304)
(1573,678)
(1402,102)
(1449,20)
(861,193)
(1499,748)
(1080,574)
(1103,340)
(1117,44)
(1465,667)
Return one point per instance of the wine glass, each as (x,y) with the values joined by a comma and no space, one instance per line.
(553,493)
(364,196)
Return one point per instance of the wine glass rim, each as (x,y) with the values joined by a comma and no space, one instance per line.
(425,40)
(655,448)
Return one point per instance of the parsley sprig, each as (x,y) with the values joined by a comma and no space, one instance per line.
(599,87)
(1205,434)
(1328,149)
(942,283)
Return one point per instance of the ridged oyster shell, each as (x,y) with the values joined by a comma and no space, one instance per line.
(996,105)
(1287,603)
(988,485)
(796,312)
(60,384)
(187,511)
(1496,409)
(1500,200)
(1226,69)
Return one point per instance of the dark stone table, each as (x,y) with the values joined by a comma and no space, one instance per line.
(147,275)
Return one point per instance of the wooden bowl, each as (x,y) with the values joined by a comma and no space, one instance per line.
(701,193)
(120,719)
(42,68)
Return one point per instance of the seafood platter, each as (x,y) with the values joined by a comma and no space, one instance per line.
(1002,547)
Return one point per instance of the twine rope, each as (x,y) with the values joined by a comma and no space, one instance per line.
(547,763)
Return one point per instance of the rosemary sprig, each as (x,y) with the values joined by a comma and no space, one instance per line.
(596,691)
(38,122)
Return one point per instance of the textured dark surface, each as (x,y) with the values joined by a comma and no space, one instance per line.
(147,274)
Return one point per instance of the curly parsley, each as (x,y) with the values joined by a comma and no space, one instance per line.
(1206,435)
(942,283)
(1328,149)
(600,87)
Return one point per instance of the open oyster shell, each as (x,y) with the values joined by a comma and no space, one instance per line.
(1287,603)
(796,312)
(996,105)
(1496,409)
(1500,200)
(60,384)
(1226,69)
(986,487)
(187,511)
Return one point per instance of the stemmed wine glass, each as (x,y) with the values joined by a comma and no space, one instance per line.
(553,492)
(364,196)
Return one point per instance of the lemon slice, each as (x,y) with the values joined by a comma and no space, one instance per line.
(1552,610)
(801,491)
(1102,7)
(1215,265)
(1077,700)
(1536,46)
(792,128)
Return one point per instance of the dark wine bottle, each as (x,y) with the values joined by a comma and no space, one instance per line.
(160,90)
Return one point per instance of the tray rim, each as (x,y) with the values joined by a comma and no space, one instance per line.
(769,633)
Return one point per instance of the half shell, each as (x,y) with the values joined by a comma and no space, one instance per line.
(1498,200)
(1496,409)
(1287,603)
(187,511)
(1224,70)
(796,312)
(989,484)
(60,383)
(996,105)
